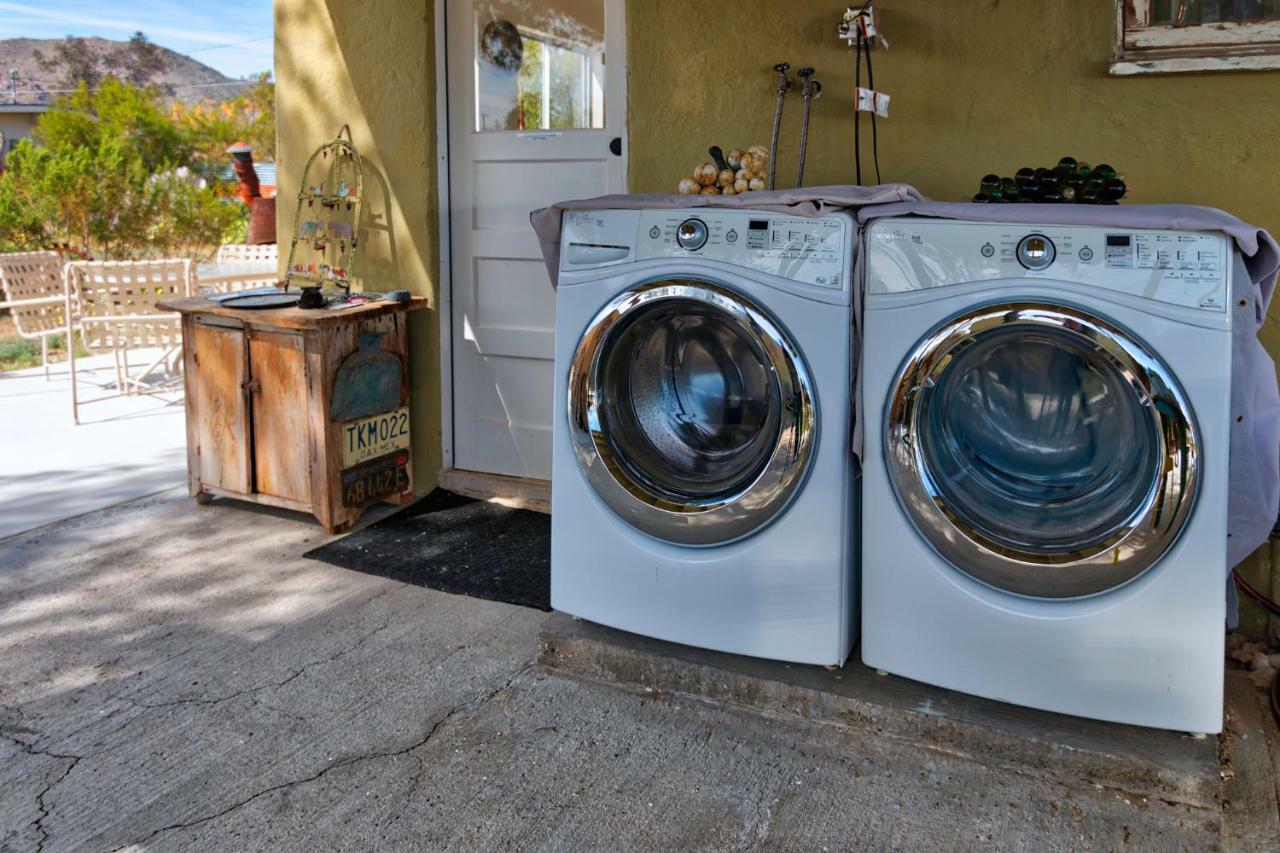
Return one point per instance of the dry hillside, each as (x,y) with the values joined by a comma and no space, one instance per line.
(187,79)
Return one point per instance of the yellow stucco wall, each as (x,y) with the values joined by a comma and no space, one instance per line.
(372,65)
(977,87)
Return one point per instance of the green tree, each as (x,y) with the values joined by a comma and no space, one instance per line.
(105,173)
(213,126)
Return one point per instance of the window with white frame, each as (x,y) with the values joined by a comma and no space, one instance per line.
(540,66)
(1171,36)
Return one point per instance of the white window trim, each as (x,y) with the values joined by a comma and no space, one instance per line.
(1144,49)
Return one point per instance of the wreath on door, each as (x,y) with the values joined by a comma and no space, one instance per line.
(501,46)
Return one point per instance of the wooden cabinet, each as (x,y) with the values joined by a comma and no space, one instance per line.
(301,409)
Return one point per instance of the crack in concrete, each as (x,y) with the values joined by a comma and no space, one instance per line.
(430,733)
(41,807)
(216,700)
(44,810)
(32,748)
(118,695)
(257,688)
(415,780)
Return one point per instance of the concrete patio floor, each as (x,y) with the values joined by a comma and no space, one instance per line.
(177,677)
(51,469)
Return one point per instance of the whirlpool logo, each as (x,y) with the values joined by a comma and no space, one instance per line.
(897,237)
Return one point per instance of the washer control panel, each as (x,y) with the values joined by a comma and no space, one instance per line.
(793,247)
(815,251)
(1186,268)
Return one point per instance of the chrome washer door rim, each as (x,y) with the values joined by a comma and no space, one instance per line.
(712,520)
(1111,561)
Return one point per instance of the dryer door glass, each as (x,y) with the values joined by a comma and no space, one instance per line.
(1055,445)
(688,401)
(692,412)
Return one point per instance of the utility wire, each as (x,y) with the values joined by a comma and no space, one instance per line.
(232,44)
(187,86)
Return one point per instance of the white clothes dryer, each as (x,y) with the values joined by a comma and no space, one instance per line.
(701,484)
(1046,456)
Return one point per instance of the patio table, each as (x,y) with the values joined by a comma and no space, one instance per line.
(239,275)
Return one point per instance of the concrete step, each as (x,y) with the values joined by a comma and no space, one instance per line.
(1133,762)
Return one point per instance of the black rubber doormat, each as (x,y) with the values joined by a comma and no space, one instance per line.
(455,544)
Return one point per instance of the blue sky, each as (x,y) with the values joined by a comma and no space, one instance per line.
(233,36)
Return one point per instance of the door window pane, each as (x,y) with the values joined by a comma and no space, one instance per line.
(539,66)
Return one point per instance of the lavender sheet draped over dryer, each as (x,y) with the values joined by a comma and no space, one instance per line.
(807,201)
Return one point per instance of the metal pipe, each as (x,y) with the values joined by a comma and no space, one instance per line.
(810,89)
(784,85)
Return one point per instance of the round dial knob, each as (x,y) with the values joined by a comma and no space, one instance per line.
(1036,252)
(691,234)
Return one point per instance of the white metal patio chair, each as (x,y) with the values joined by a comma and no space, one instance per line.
(240,253)
(33,292)
(115,308)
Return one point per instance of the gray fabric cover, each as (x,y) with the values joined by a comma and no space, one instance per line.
(806,201)
(1254,478)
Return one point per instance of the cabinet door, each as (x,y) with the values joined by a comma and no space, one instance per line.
(221,428)
(281,440)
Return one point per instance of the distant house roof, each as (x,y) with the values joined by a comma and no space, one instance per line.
(266,173)
(22,109)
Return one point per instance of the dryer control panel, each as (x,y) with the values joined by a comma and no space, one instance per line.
(1186,268)
(815,251)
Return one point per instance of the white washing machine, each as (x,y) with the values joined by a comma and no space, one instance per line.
(1045,481)
(701,480)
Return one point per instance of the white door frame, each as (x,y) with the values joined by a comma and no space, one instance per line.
(445,282)
(444,285)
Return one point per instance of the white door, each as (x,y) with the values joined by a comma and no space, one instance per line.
(534,112)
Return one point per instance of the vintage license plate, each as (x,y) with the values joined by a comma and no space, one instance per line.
(374,436)
(381,478)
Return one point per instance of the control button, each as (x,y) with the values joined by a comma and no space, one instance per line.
(1085,253)
(655,232)
(692,234)
(732,236)
(1036,252)
(988,250)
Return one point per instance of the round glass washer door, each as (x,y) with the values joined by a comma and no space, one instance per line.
(693,414)
(1042,450)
